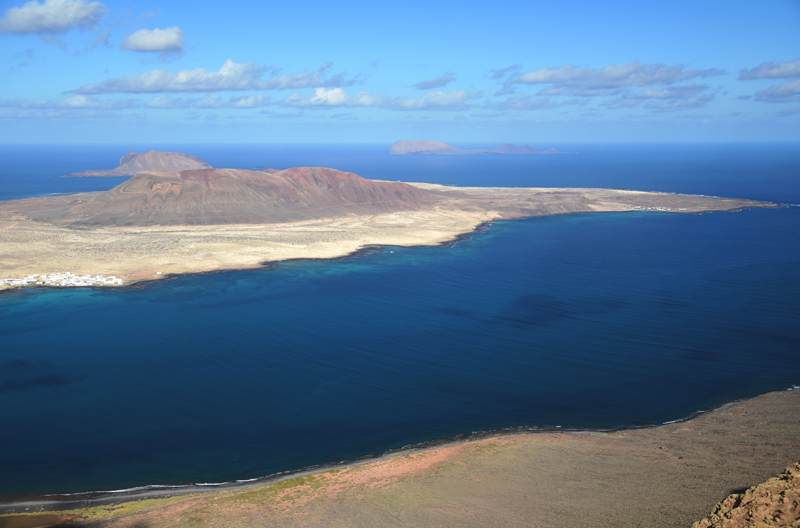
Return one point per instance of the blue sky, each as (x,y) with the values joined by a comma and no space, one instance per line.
(461,72)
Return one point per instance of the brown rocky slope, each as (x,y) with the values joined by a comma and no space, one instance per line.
(228,196)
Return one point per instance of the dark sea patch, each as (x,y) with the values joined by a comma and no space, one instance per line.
(540,309)
(21,374)
(694,354)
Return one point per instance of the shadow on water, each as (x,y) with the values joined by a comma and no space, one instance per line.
(22,374)
(540,309)
(695,354)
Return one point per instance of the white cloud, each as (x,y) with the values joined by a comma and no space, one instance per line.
(76,102)
(329,98)
(675,98)
(611,80)
(786,92)
(671,92)
(431,101)
(443,80)
(306,80)
(162,40)
(526,102)
(499,74)
(53,16)
(335,97)
(166,102)
(674,105)
(241,101)
(210,101)
(772,70)
(231,76)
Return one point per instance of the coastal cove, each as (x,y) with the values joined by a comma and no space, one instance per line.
(587,321)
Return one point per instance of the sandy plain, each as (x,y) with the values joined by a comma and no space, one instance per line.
(146,253)
(666,476)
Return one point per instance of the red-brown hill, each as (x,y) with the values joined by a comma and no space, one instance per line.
(228,196)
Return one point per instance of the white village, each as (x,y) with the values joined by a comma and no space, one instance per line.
(65,279)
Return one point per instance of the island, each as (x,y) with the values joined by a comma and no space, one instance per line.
(159,224)
(434,147)
(154,160)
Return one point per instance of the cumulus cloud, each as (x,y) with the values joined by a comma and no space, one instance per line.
(443,80)
(675,105)
(51,17)
(167,102)
(231,76)
(210,101)
(169,40)
(240,101)
(526,102)
(73,103)
(786,92)
(772,70)
(330,97)
(673,98)
(611,80)
(509,74)
(336,97)
(685,91)
(499,74)
(431,101)
(306,80)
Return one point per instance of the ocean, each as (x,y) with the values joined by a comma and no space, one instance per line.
(589,321)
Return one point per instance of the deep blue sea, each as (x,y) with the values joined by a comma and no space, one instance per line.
(586,321)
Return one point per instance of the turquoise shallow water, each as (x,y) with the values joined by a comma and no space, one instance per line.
(595,321)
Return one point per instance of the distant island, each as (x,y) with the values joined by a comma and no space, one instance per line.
(434,147)
(132,163)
